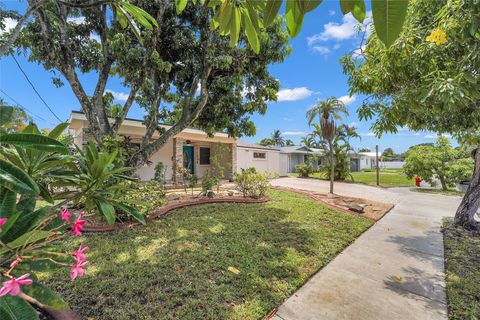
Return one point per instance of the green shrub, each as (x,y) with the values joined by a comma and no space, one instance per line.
(251,183)
(144,196)
(304,170)
(160,173)
(209,181)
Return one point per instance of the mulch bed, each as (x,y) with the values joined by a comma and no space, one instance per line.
(165,210)
(373,210)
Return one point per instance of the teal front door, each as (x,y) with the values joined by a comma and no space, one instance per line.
(188,159)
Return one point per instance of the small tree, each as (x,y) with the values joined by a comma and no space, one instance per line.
(438,162)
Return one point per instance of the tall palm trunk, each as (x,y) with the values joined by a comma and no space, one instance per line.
(332,166)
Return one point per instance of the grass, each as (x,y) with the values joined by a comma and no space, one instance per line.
(388,178)
(177,267)
(440,191)
(462,260)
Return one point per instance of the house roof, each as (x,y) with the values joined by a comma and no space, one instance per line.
(299,149)
(246,145)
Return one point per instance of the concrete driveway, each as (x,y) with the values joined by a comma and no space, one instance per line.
(395,270)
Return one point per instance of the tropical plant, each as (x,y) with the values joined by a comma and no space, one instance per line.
(192,183)
(13,118)
(304,170)
(331,108)
(160,173)
(143,196)
(289,143)
(266,142)
(364,150)
(308,141)
(251,183)
(277,138)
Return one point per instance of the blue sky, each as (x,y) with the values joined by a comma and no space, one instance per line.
(311,72)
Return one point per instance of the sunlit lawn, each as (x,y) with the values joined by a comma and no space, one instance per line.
(177,267)
(388,178)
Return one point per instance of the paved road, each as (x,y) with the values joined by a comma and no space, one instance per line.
(393,271)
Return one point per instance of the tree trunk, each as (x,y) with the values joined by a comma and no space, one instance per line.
(465,215)
(443,183)
(332,166)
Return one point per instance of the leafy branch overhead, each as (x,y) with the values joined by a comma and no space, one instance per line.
(233,16)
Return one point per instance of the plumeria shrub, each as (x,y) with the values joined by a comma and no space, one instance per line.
(30,232)
(251,183)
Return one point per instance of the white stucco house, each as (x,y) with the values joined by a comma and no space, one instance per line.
(292,155)
(364,160)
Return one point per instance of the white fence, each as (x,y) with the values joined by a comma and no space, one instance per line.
(392,164)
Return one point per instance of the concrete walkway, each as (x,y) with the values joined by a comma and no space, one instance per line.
(393,271)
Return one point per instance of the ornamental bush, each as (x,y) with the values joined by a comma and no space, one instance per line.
(143,196)
(303,170)
(251,183)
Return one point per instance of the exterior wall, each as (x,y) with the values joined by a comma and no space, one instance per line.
(245,160)
(294,159)
(164,155)
(283,164)
(392,164)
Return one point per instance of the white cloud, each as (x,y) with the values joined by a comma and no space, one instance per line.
(367,134)
(337,46)
(331,12)
(345,30)
(435,136)
(321,49)
(347,99)
(120,96)
(294,133)
(9,25)
(287,119)
(293,94)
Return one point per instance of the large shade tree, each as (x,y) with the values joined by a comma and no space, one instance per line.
(182,72)
(427,80)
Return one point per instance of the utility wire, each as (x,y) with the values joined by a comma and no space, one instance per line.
(24,109)
(34,89)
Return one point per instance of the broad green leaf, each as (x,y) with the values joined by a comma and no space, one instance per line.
(45,296)
(131,211)
(180,5)
(27,238)
(25,222)
(359,11)
(58,130)
(17,180)
(271,10)
(122,19)
(6,113)
(252,35)
(294,18)
(16,308)
(139,15)
(235,26)
(33,141)
(8,201)
(308,5)
(347,6)
(107,210)
(45,194)
(388,18)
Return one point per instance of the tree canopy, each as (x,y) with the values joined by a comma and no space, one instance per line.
(428,78)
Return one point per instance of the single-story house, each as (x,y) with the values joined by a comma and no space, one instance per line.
(191,148)
(292,155)
(364,160)
(262,158)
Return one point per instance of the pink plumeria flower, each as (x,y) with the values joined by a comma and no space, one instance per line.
(79,254)
(65,214)
(78,270)
(77,226)
(15,262)
(12,286)
(3,221)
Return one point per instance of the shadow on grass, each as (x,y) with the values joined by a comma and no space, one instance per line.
(177,267)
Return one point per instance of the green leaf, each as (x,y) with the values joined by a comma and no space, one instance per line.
(180,5)
(252,35)
(107,210)
(131,211)
(359,11)
(6,113)
(58,130)
(45,296)
(17,180)
(308,5)
(8,201)
(347,6)
(27,238)
(271,10)
(16,308)
(33,141)
(388,18)
(294,18)
(45,194)
(235,26)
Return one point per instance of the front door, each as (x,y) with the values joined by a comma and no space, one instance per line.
(188,159)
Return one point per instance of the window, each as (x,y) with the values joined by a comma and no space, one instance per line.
(204,156)
(259,155)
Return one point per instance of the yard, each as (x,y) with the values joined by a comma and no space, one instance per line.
(178,267)
(388,178)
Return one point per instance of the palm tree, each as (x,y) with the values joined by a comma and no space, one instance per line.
(289,143)
(347,133)
(278,138)
(331,108)
(328,111)
(308,141)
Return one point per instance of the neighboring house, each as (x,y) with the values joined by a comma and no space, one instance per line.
(293,155)
(364,160)
(191,148)
(262,158)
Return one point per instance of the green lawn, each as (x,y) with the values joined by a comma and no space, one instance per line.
(177,267)
(462,261)
(440,191)
(388,178)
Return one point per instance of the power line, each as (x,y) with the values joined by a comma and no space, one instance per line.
(23,108)
(34,89)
